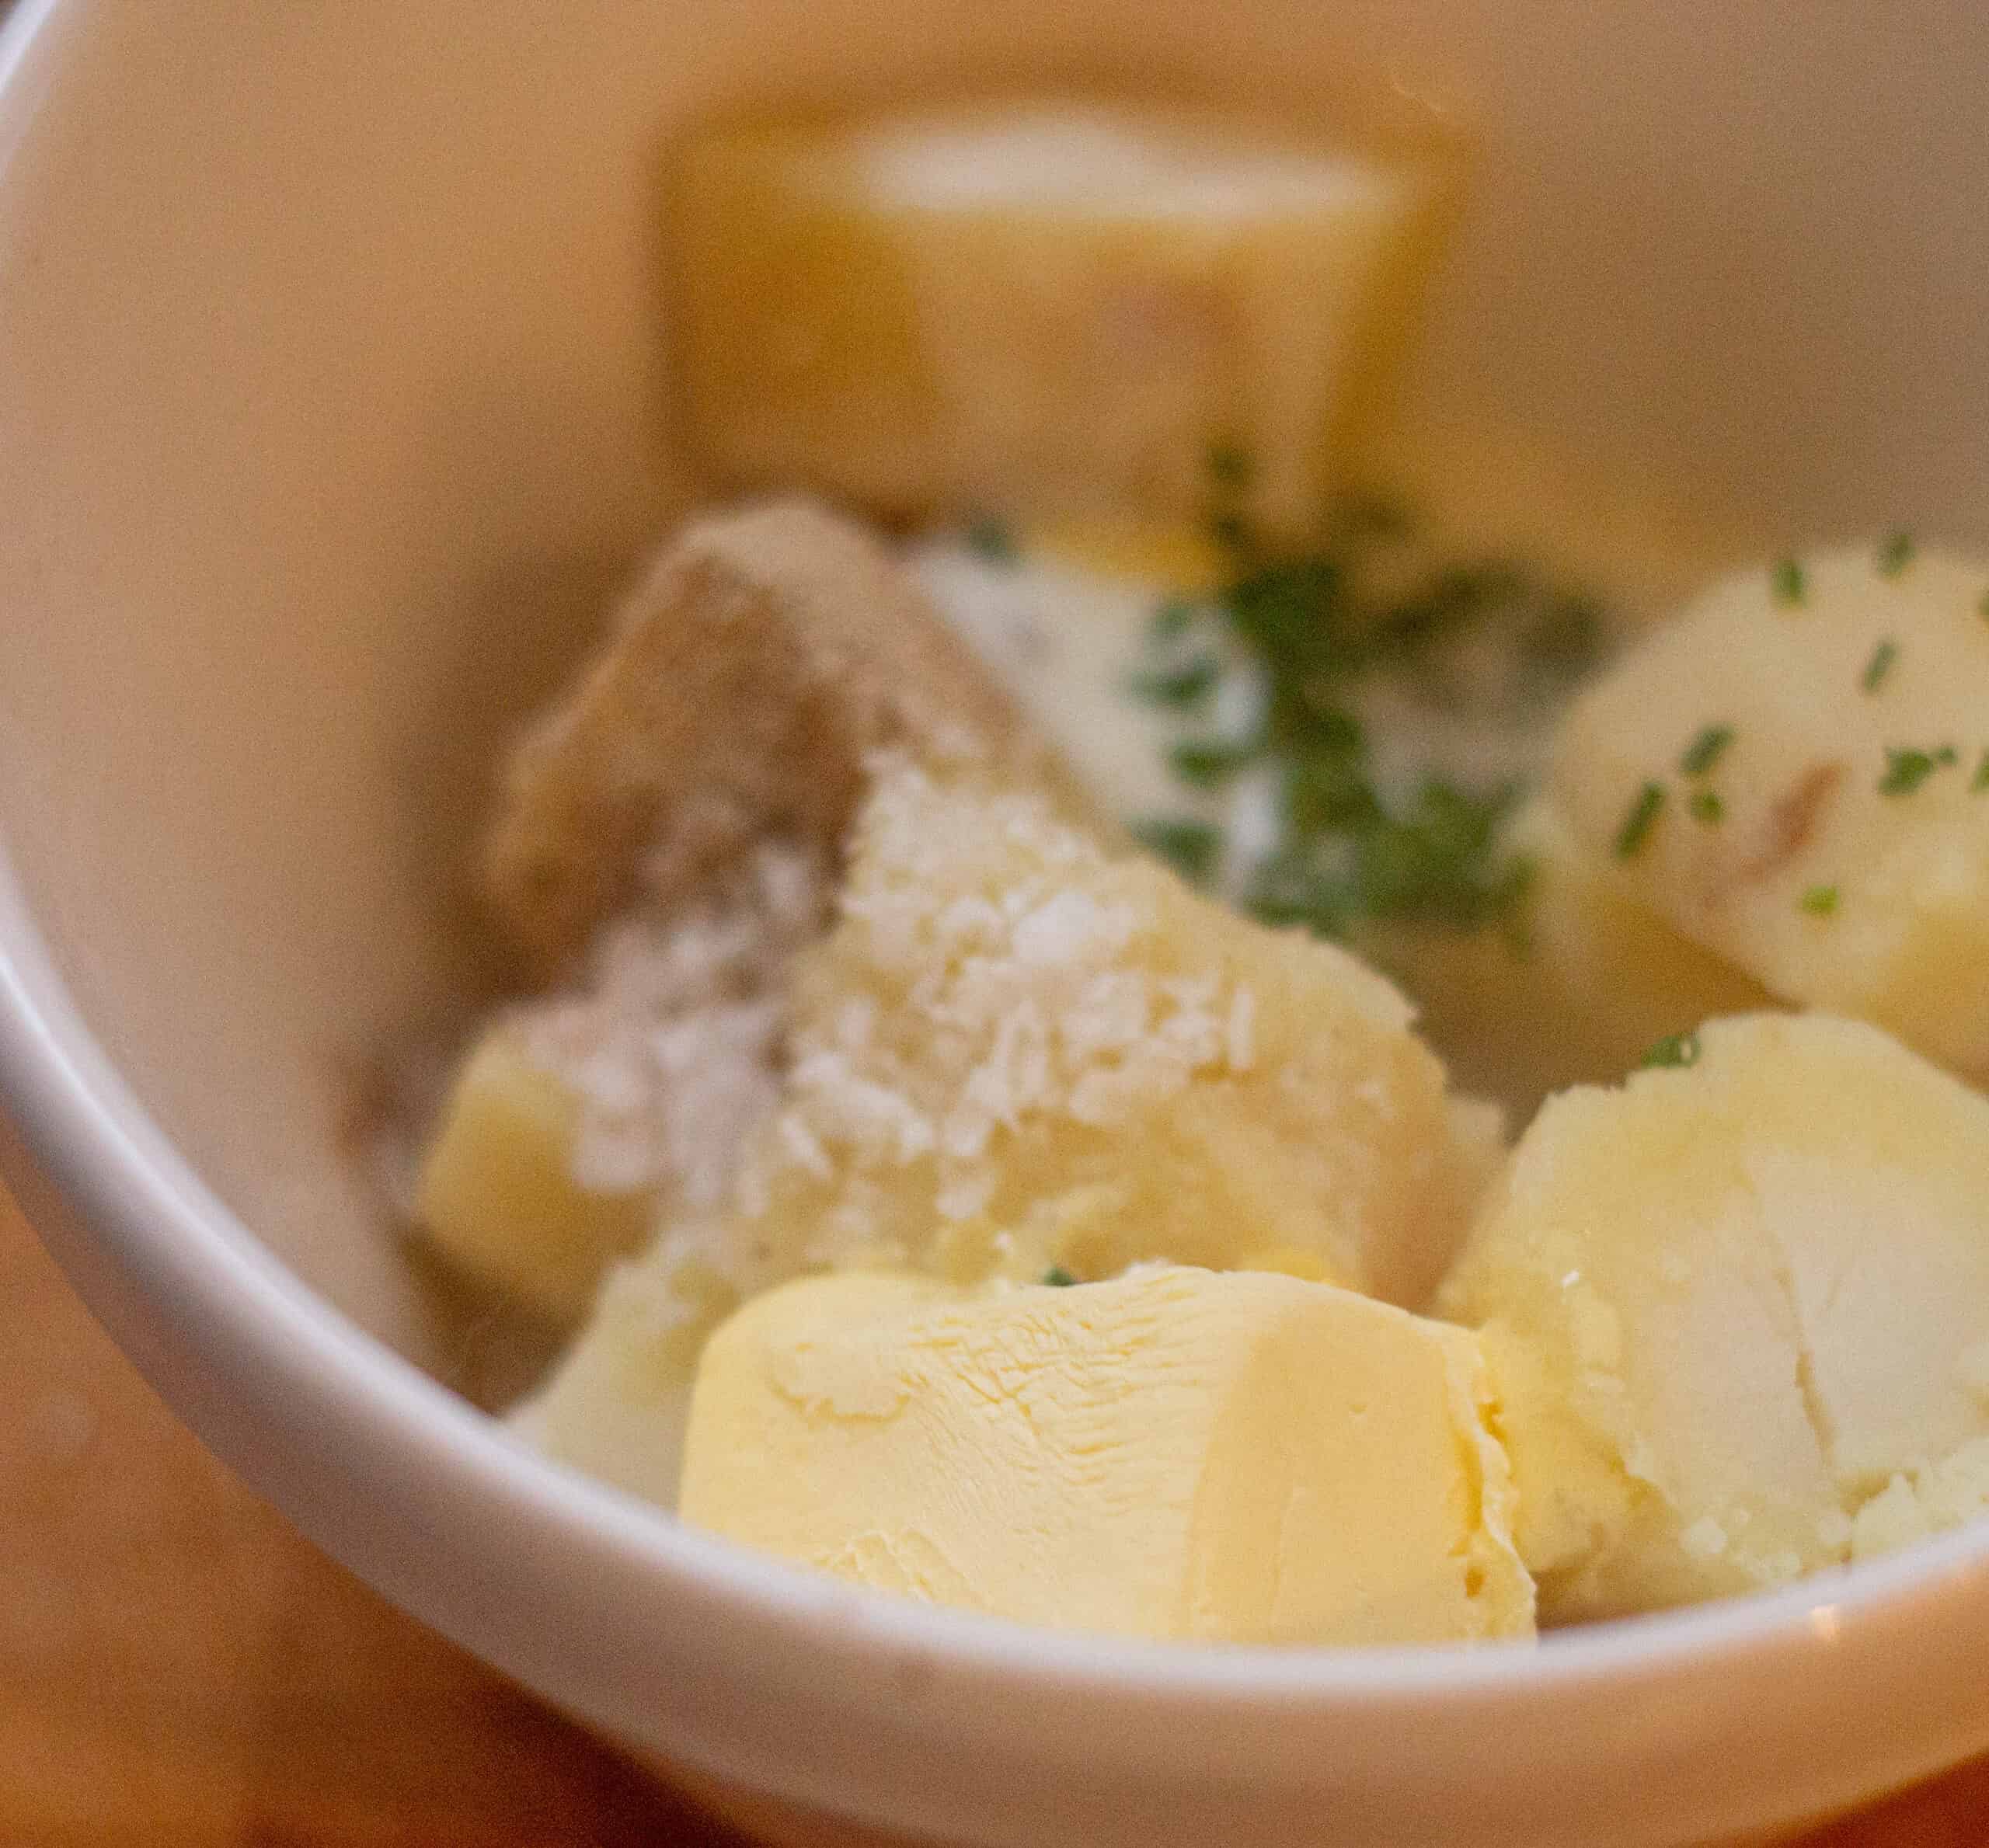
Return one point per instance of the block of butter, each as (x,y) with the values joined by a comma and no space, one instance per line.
(1046,307)
(1732,1304)
(1178,1453)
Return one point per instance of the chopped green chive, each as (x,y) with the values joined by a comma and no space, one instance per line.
(1208,763)
(1880,666)
(1789,581)
(1058,1278)
(1819,901)
(1673,1049)
(1310,627)
(1191,847)
(993,539)
(1706,749)
(1895,554)
(1907,767)
(1639,821)
(1706,808)
(1184,685)
(1229,465)
(1979,781)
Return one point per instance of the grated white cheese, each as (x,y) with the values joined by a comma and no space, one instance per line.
(672,1037)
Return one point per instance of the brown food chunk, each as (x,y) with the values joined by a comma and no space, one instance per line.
(761,664)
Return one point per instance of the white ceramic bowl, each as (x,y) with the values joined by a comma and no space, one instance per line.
(332,376)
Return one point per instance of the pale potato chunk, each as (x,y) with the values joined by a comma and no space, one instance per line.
(1927,1499)
(582,1115)
(1575,990)
(1014,1055)
(498,1192)
(1846,864)
(1014,1052)
(1727,1304)
(617,1404)
(1048,307)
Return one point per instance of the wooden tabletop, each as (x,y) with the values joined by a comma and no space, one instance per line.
(180,1669)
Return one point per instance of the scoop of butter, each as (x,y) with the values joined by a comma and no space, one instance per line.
(1729,1305)
(1178,1453)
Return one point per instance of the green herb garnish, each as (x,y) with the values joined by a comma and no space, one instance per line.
(1171,620)
(992,538)
(1979,781)
(1707,808)
(1819,901)
(1191,847)
(1789,581)
(1313,630)
(1673,1049)
(1184,684)
(1208,763)
(1907,767)
(1058,1278)
(1880,666)
(1638,820)
(1895,554)
(1706,749)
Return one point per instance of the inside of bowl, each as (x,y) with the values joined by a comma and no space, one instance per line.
(337,385)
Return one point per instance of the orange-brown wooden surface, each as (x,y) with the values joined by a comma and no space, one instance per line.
(179,1669)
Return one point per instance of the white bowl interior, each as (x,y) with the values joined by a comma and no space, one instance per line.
(336,391)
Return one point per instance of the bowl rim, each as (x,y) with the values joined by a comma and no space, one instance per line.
(165,1232)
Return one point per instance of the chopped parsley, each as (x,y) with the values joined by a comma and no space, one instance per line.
(1907,767)
(1638,821)
(1191,847)
(1181,683)
(1895,554)
(1706,749)
(1058,1278)
(1208,763)
(1880,666)
(1979,781)
(1789,581)
(1819,901)
(1673,1049)
(1706,808)
(1435,860)
(992,538)
(1313,629)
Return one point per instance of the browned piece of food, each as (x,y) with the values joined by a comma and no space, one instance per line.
(764,659)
